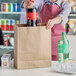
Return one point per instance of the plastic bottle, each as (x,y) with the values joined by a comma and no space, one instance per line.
(31,15)
(63,48)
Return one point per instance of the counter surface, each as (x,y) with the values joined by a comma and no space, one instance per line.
(31,72)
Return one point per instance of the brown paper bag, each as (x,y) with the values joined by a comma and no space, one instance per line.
(32,47)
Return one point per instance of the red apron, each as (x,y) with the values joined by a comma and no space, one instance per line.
(50,12)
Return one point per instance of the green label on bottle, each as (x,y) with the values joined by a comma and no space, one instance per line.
(63,48)
(63,52)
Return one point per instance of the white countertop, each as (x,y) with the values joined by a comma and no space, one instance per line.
(31,72)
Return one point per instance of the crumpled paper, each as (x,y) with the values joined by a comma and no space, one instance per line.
(65,67)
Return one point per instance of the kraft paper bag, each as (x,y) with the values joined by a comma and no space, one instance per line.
(32,47)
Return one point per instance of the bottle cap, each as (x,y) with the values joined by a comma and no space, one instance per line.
(32,0)
(63,33)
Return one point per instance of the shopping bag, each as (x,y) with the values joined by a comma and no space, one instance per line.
(32,47)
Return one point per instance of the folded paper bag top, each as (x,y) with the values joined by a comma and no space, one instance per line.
(25,25)
(32,47)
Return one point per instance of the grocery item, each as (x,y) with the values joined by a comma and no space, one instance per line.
(8,24)
(2,7)
(5,61)
(15,7)
(6,40)
(8,55)
(5,25)
(71,27)
(17,22)
(10,7)
(31,16)
(67,67)
(6,7)
(18,7)
(0,23)
(63,48)
(74,8)
(12,25)
(11,40)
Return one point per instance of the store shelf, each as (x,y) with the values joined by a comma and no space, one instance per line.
(12,12)
(10,32)
(6,47)
(74,14)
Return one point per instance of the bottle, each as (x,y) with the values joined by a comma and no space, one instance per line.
(32,16)
(63,48)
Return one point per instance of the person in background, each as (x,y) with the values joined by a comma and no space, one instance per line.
(53,12)
(1,37)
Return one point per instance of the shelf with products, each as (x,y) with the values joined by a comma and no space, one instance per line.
(71,26)
(7,25)
(72,14)
(10,6)
(9,16)
(73,6)
(8,37)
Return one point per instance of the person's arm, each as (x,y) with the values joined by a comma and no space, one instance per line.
(62,18)
(37,4)
(22,3)
(53,21)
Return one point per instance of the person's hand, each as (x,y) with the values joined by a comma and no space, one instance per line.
(28,4)
(50,24)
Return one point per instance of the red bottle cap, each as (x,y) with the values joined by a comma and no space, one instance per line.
(32,0)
